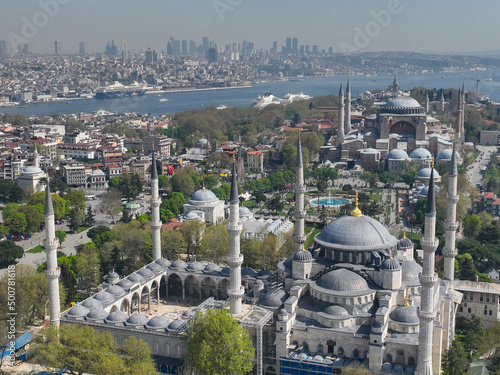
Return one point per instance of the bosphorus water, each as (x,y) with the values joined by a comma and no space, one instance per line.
(486,82)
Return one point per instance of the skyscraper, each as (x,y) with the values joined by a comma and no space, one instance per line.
(124,51)
(212,54)
(288,45)
(295,45)
(151,55)
(81,50)
(192,47)
(3,49)
(184,50)
(206,43)
(57,47)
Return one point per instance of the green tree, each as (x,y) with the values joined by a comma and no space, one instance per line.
(111,203)
(183,181)
(172,244)
(81,349)
(61,206)
(260,197)
(16,223)
(409,177)
(192,231)
(455,360)
(164,182)
(9,252)
(89,217)
(173,203)
(218,345)
(467,269)
(76,219)
(76,198)
(275,203)
(9,191)
(61,236)
(472,226)
(33,218)
(87,268)
(214,245)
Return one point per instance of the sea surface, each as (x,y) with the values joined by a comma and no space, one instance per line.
(485,82)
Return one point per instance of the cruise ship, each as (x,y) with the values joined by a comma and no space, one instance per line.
(117,90)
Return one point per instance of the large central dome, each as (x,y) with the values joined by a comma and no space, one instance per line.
(356,233)
(203,196)
(403,105)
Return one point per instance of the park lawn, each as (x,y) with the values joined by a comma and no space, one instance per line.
(388,210)
(376,197)
(387,220)
(36,249)
(413,236)
(250,203)
(82,228)
(310,239)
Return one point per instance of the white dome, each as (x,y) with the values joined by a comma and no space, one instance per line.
(32,170)
(402,102)
(421,153)
(397,153)
(203,195)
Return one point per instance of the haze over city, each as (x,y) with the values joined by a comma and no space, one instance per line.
(421,26)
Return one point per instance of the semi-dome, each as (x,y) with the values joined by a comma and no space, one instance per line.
(303,256)
(203,196)
(164,262)
(195,266)
(97,314)
(274,299)
(410,272)
(176,325)
(358,233)
(403,105)
(144,272)
(125,284)
(445,155)
(136,320)
(342,281)
(78,311)
(178,264)
(116,290)
(104,297)
(397,153)
(426,173)
(136,278)
(390,265)
(421,153)
(157,322)
(336,312)
(288,263)
(155,268)
(92,303)
(405,315)
(116,317)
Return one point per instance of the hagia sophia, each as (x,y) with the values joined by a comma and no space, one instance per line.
(356,295)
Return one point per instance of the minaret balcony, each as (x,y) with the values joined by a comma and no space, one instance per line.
(156,225)
(51,245)
(300,239)
(450,226)
(453,199)
(429,245)
(234,228)
(450,253)
(235,261)
(236,293)
(428,281)
(300,214)
(53,274)
(426,315)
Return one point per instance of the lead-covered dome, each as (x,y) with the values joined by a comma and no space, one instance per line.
(390,265)
(274,299)
(403,105)
(445,155)
(421,153)
(303,256)
(426,173)
(157,322)
(336,312)
(359,233)
(92,303)
(116,317)
(344,282)
(405,315)
(397,153)
(203,196)
(410,272)
(78,311)
(137,320)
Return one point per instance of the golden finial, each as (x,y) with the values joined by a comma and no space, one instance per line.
(404,234)
(407,299)
(303,248)
(432,162)
(356,212)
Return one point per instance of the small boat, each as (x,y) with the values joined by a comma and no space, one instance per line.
(163,100)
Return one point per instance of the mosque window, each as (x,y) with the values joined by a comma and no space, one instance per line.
(469,310)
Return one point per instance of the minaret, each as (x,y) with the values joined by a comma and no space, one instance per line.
(234,259)
(428,279)
(155,210)
(52,271)
(458,129)
(299,238)
(36,161)
(441,101)
(347,127)
(451,225)
(462,123)
(395,85)
(340,133)
(427,103)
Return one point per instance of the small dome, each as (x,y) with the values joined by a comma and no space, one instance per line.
(157,322)
(343,281)
(303,256)
(92,303)
(445,155)
(176,325)
(164,262)
(405,243)
(405,315)
(155,268)
(336,312)
(116,317)
(115,290)
(283,312)
(125,284)
(244,211)
(247,271)
(97,314)
(203,195)
(137,320)
(410,272)
(421,153)
(178,264)
(104,297)
(113,276)
(264,273)
(192,216)
(390,265)
(397,153)
(202,141)
(211,268)
(187,314)
(136,278)
(195,266)
(78,311)
(426,173)
(32,170)
(425,191)
(144,272)
(274,299)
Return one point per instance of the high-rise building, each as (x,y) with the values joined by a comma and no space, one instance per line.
(3,49)
(330,50)
(212,54)
(57,47)
(192,47)
(315,49)
(151,55)
(184,49)
(288,45)
(22,49)
(173,47)
(81,49)
(206,43)
(275,46)
(124,51)
(111,49)
(295,45)
(308,49)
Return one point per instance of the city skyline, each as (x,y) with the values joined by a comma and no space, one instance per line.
(346,26)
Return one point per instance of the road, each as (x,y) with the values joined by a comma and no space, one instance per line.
(474,175)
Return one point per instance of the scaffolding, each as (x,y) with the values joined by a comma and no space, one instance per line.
(251,317)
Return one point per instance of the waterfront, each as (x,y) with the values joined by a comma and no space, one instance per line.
(487,83)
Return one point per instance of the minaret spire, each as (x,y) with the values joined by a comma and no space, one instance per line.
(340,132)
(427,102)
(235,290)
(428,279)
(36,161)
(300,188)
(347,120)
(462,123)
(155,209)
(451,224)
(53,270)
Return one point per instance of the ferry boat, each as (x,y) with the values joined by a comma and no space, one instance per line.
(117,90)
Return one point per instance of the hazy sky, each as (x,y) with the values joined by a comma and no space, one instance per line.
(450,26)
